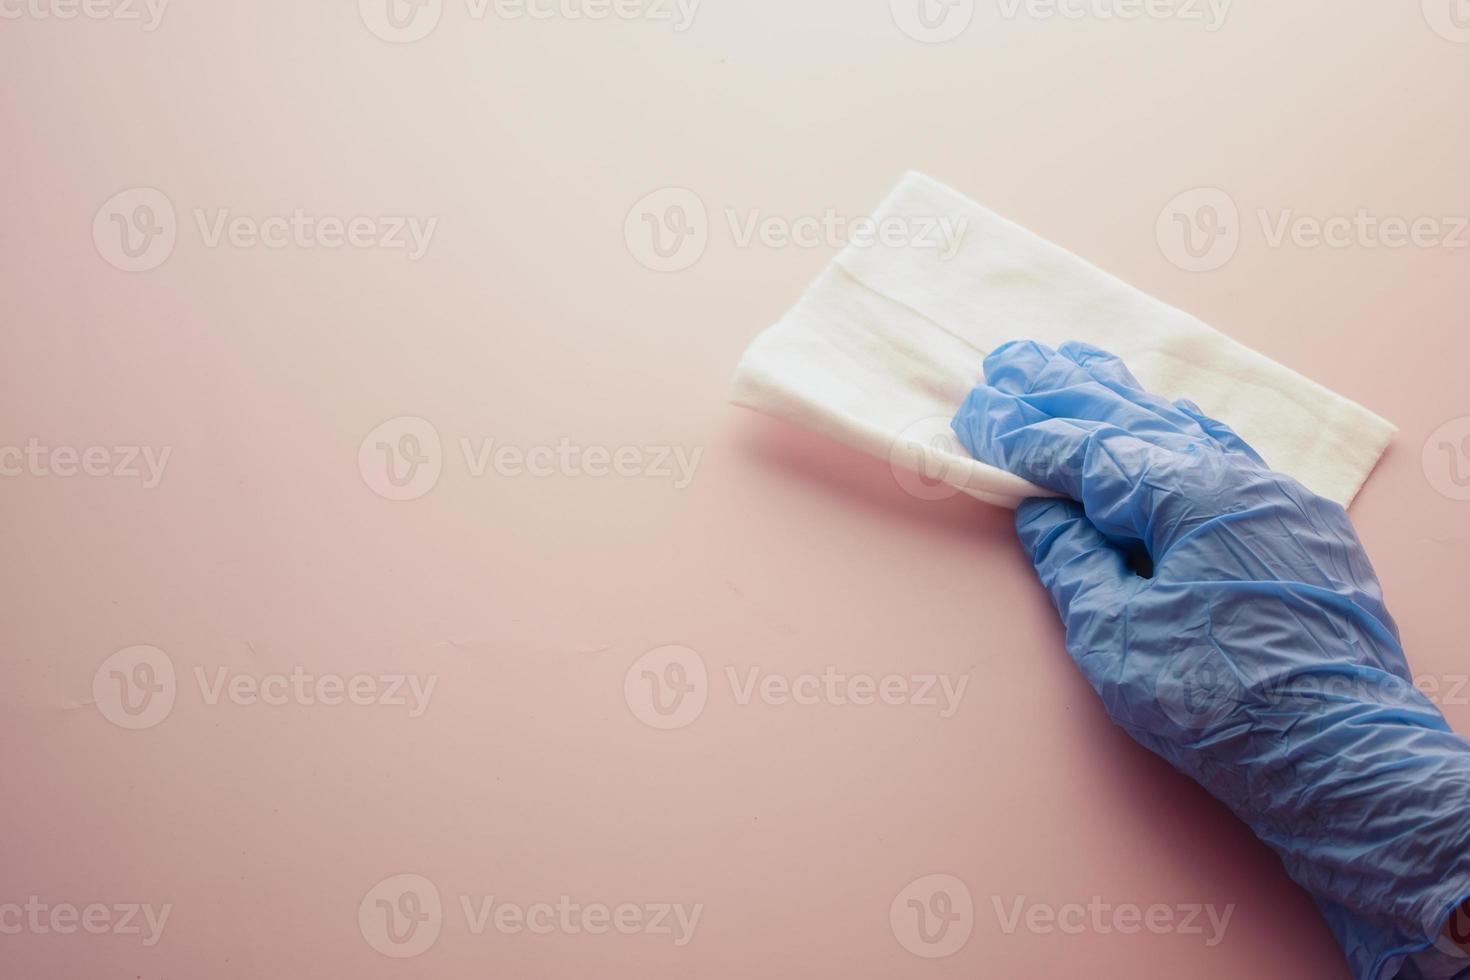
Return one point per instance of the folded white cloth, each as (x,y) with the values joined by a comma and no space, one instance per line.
(887,342)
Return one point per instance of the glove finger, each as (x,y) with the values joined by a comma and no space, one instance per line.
(1084,573)
(1019,367)
(1119,478)
(1108,370)
(1227,437)
(1062,388)
(1105,366)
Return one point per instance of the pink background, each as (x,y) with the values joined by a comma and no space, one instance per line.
(530,776)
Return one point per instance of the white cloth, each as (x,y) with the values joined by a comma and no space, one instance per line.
(885,345)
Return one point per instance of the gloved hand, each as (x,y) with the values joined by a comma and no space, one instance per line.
(1256,656)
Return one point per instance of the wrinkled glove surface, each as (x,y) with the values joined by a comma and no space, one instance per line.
(1231,622)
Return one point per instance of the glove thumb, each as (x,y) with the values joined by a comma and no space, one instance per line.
(1085,573)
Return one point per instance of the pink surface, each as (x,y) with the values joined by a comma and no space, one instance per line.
(539,607)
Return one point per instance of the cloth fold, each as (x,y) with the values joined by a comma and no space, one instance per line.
(889,340)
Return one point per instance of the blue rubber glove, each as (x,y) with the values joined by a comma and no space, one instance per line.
(1256,656)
